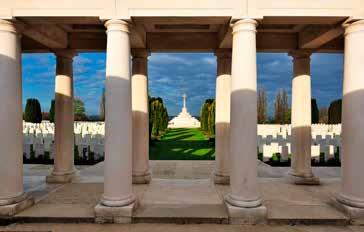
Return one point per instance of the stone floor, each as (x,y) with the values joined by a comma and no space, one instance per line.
(170,169)
(141,227)
(181,189)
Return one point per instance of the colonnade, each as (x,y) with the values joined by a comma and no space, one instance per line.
(126,121)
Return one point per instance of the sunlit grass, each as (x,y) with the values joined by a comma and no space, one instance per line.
(183,144)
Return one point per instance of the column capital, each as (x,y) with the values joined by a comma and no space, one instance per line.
(140,53)
(65,53)
(223,53)
(357,26)
(8,26)
(300,54)
(245,25)
(223,61)
(140,61)
(117,25)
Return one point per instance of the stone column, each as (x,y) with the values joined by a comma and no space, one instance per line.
(352,190)
(139,89)
(301,171)
(12,196)
(244,202)
(222,118)
(118,199)
(63,170)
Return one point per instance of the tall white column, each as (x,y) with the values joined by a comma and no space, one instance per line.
(244,202)
(222,118)
(301,171)
(12,196)
(63,170)
(139,83)
(118,199)
(352,191)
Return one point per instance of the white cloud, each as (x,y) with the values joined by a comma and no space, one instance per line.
(209,60)
(165,58)
(81,60)
(163,80)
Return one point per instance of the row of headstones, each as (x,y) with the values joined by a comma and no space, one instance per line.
(39,139)
(89,138)
(89,129)
(334,140)
(328,151)
(86,152)
(273,139)
(285,130)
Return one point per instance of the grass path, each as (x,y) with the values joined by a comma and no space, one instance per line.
(182,144)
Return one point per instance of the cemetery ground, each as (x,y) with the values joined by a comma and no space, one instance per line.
(273,144)
(183,144)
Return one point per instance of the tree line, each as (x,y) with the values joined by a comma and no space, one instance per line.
(158,114)
(282,111)
(33,111)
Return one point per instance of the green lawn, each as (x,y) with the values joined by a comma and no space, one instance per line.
(182,144)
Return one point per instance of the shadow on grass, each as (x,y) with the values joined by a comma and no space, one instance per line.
(178,134)
(183,144)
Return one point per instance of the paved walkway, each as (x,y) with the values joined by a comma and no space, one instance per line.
(179,183)
(183,169)
(193,199)
(182,189)
(176,228)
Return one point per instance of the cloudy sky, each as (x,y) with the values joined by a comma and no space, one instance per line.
(172,74)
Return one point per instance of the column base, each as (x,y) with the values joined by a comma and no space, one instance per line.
(221,179)
(16,205)
(246,216)
(117,215)
(352,208)
(242,203)
(55,178)
(142,179)
(303,180)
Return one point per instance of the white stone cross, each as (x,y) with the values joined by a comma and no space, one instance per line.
(184,100)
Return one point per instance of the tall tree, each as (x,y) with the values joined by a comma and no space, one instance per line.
(203,116)
(314,112)
(79,110)
(281,107)
(262,106)
(211,119)
(287,116)
(158,116)
(102,106)
(324,117)
(335,112)
(51,112)
(207,117)
(33,111)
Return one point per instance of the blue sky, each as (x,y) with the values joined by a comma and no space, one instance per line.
(172,74)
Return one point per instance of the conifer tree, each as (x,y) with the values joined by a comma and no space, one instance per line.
(33,111)
(262,106)
(335,112)
(51,112)
(314,111)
